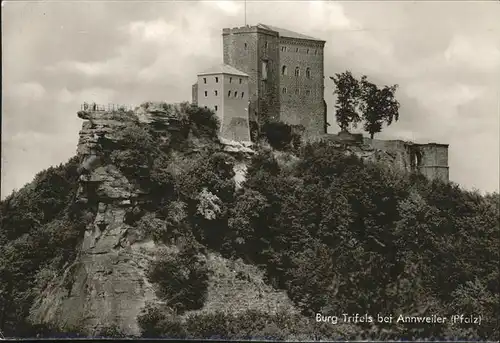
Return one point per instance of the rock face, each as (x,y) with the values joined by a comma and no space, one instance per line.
(107,285)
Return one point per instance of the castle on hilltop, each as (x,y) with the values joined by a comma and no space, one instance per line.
(278,75)
(269,74)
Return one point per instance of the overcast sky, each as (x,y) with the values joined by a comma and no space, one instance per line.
(444,55)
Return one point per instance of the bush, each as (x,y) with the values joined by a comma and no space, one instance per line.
(182,280)
(203,122)
(279,135)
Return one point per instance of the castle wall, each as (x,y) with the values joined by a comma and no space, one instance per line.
(434,161)
(235,124)
(251,49)
(431,160)
(210,89)
(302,95)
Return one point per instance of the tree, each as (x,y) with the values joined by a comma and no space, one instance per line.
(378,106)
(348,91)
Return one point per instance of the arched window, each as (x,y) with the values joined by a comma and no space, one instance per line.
(284,71)
(308,73)
(297,71)
(236,94)
(283,90)
(229,94)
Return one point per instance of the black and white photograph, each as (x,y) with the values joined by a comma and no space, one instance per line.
(250,170)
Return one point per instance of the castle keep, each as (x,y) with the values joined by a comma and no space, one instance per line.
(285,73)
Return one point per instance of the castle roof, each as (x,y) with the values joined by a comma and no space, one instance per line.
(223,69)
(287,33)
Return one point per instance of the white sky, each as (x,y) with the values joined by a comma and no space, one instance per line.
(444,55)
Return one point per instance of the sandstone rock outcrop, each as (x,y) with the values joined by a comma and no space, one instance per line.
(107,285)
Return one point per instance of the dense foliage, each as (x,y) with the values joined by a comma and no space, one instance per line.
(343,236)
(247,325)
(40,229)
(338,234)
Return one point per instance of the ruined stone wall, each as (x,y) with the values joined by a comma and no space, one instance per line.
(434,161)
(302,84)
(430,159)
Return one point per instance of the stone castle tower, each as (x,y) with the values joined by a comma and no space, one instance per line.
(286,75)
(224,90)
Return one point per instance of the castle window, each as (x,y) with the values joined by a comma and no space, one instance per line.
(240,80)
(308,73)
(242,94)
(230,80)
(308,92)
(206,93)
(215,93)
(283,90)
(246,45)
(216,107)
(283,48)
(264,70)
(284,70)
(307,51)
(216,79)
(229,94)
(297,71)
(206,107)
(204,80)
(266,45)
(236,94)
(296,49)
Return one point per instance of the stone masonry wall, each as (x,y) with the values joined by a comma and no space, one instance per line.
(302,95)
(430,159)
(245,49)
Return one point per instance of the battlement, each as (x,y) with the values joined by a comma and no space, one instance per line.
(248,29)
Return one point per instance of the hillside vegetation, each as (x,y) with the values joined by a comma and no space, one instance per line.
(338,234)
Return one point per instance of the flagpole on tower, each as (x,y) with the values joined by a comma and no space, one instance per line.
(245,12)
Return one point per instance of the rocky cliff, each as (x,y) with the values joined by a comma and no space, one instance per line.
(107,285)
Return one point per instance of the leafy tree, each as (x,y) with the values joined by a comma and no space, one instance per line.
(362,101)
(348,91)
(378,106)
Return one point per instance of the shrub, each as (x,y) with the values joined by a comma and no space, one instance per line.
(182,280)
(203,122)
(279,135)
